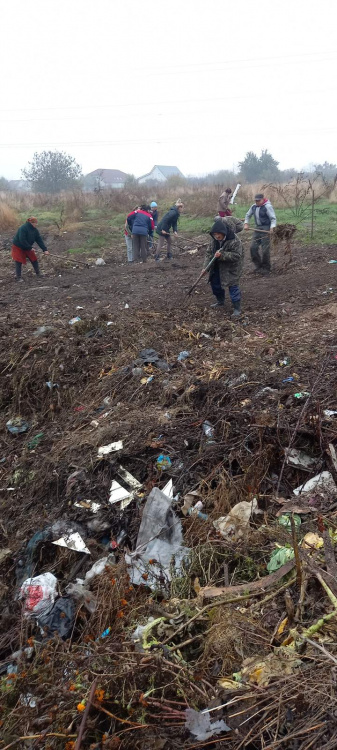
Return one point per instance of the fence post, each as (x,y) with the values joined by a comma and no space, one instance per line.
(312,213)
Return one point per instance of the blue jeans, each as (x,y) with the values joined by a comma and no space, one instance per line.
(218,290)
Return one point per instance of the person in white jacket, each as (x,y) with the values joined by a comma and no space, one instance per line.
(265,221)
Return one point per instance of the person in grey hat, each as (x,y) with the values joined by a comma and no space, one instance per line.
(265,221)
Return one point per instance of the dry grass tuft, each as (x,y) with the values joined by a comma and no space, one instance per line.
(8,217)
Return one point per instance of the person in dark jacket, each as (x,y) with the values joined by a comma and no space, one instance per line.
(169,221)
(227,268)
(154,212)
(22,247)
(128,235)
(265,221)
(142,225)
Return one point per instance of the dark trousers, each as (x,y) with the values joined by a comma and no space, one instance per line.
(161,242)
(218,290)
(260,240)
(18,268)
(139,247)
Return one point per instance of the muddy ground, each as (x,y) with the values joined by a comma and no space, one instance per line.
(96,396)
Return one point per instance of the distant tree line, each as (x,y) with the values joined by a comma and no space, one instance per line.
(53,171)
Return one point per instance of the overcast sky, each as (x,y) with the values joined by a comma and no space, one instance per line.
(195,83)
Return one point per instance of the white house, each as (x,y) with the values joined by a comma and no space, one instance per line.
(102,179)
(160,174)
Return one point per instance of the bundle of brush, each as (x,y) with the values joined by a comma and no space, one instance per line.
(284,231)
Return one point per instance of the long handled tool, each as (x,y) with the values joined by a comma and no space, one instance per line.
(201,275)
(67,260)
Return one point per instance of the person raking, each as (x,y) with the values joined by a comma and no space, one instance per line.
(169,221)
(265,221)
(22,247)
(227,268)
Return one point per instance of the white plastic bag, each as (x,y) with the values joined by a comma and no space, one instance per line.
(39,594)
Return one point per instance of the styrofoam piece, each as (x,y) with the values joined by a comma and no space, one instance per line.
(128,478)
(73,541)
(168,489)
(117,493)
(104,450)
(321,482)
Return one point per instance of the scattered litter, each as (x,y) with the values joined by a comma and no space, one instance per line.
(42,330)
(199,724)
(160,539)
(329,413)
(205,335)
(51,385)
(208,431)
(88,505)
(151,357)
(28,700)
(83,596)
(312,540)
(237,520)
(283,362)
(77,319)
(141,635)
(117,493)
(100,262)
(260,335)
(193,252)
(72,541)
(34,442)
(332,261)
(17,425)
(168,489)
(279,557)
(163,462)
(299,458)
(128,478)
(183,355)
(285,520)
(288,380)
(79,307)
(59,619)
(322,482)
(302,394)
(277,664)
(126,306)
(237,381)
(39,594)
(104,450)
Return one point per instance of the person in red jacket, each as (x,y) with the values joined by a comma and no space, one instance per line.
(142,225)
(22,247)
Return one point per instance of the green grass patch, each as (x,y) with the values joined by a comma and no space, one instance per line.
(76,250)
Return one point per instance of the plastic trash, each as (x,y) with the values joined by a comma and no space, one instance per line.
(100,262)
(118,493)
(329,413)
(28,700)
(183,355)
(126,306)
(17,425)
(288,380)
(42,330)
(163,462)
(237,521)
(283,362)
(140,636)
(82,595)
(72,541)
(160,538)
(302,394)
(285,520)
(39,594)
(322,482)
(199,724)
(104,450)
(51,385)
(34,442)
(237,381)
(279,557)
(59,619)
(208,431)
(151,357)
(72,321)
(332,261)
(299,459)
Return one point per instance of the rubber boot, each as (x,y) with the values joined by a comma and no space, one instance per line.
(18,268)
(219,303)
(237,310)
(35,265)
